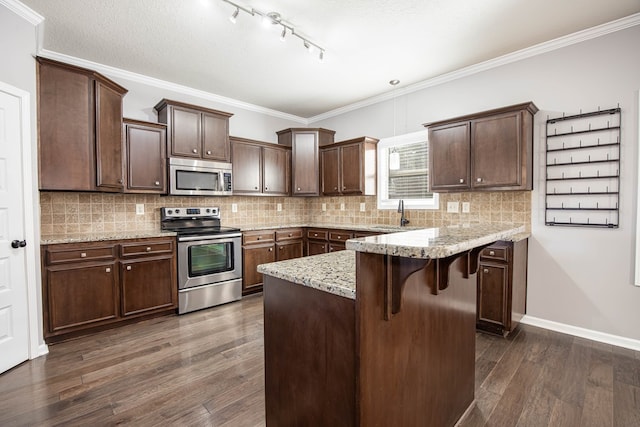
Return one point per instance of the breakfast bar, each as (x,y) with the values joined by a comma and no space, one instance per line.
(380,334)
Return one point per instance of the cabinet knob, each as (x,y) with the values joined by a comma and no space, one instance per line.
(461,180)
(492,253)
(486,270)
(148,248)
(290,234)
(298,188)
(107,270)
(128,268)
(281,247)
(315,234)
(194,151)
(259,237)
(344,188)
(270,249)
(208,152)
(83,254)
(478,179)
(335,188)
(255,188)
(266,188)
(339,237)
(120,181)
(157,183)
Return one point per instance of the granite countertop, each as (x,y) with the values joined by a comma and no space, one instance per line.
(435,242)
(98,237)
(385,228)
(334,272)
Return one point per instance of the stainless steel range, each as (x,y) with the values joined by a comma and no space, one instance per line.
(209,257)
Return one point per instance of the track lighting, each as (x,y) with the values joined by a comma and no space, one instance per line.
(233,17)
(274,18)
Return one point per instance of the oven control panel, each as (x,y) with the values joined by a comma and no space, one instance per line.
(191,212)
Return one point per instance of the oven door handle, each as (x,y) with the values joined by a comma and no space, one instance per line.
(218,238)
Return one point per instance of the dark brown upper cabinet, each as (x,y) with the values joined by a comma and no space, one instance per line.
(260,168)
(305,161)
(145,157)
(487,151)
(195,132)
(349,167)
(80,145)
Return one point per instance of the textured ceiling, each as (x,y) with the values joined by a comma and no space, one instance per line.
(367,42)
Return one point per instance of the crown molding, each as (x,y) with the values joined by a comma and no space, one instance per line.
(162,84)
(549,46)
(23,11)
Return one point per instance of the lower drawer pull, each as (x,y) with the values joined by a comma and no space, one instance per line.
(108,270)
(83,254)
(486,270)
(128,268)
(492,253)
(148,248)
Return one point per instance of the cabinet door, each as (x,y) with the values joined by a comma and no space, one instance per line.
(305,164)
(352,169)
(186,128)
(496,151)
(289,250)
(215,137)
(109,171)
(316,247)
(492,293)
(449,157)
(80,295)
(147,285)
(145,158)
(252,256)
(275,171)
(330,158)
(247,166)
(65,127)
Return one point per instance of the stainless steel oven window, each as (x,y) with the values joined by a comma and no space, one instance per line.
(190,180)
(210,258)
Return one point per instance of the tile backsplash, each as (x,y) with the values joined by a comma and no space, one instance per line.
(74,214)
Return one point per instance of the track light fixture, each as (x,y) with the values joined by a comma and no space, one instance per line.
(274,18)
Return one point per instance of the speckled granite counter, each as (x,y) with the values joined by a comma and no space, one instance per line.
(334,272)
(434,242)
(98,237)
(383,228)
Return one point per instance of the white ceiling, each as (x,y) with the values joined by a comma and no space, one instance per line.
(367,42)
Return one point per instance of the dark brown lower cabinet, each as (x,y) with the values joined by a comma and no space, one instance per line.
(502,287)
(91,286)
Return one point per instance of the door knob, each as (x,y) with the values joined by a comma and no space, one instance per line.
(18,244)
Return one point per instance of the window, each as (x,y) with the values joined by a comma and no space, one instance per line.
(403,172)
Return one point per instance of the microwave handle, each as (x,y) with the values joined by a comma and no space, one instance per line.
(220,181)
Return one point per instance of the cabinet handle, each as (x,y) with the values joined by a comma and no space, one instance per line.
(461,180)
(270,249)
(128,268)
(478,179)
(486,270)
(492,253)
(209,152)
(107,270)
(83,254)
(157,183)
(148,248)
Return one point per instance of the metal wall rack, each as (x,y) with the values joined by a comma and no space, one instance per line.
(583,169)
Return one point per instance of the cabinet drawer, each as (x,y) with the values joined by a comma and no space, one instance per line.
(289,234)
(146,248)
(340,236)
(494,252)
(258,237)
(317,234)
(59,255)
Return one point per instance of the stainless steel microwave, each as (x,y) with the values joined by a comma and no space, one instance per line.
(190,177)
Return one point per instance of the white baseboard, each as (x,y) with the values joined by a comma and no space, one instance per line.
(582,332)
(42,350)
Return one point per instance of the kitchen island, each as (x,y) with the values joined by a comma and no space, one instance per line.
(381,334)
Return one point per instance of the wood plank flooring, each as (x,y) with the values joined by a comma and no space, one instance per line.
(206,369)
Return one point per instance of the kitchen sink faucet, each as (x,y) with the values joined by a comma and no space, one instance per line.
(403,221)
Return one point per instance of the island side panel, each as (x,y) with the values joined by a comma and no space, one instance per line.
(417,369)
(309,345)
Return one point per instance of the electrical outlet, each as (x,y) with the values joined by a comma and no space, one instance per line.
(466,207)
(341,206)
(139,208)
(324,207)
(234,207)
(279,207)
(362,207)
(453,207)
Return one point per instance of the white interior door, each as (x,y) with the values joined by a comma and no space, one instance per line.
(14,315)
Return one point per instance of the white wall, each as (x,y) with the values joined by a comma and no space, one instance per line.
(577,276)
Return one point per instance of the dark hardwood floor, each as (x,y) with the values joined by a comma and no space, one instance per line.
(206,369)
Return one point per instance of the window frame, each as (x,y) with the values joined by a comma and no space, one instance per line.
(383,182)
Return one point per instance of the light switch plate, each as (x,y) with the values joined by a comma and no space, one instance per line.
(324,207)
(341,206)
(453,207)
(466,207)
(362,207)
(234,207)
(139,208)
(279,207)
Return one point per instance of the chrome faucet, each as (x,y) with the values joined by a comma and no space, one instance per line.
(403,221)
